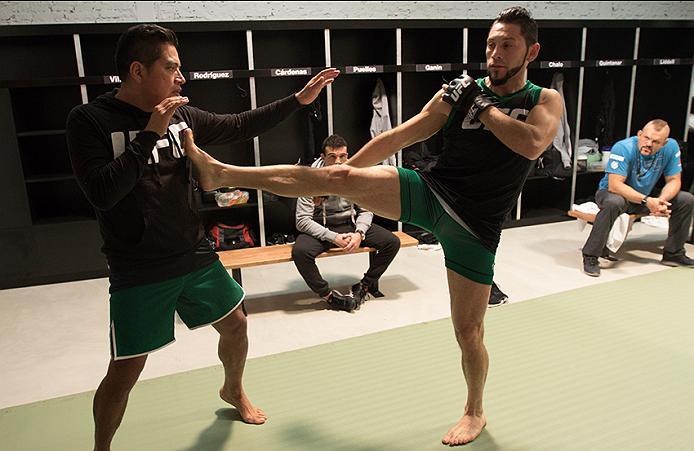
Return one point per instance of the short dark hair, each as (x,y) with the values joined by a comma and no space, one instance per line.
(522,17)
(141,43)
(333,141)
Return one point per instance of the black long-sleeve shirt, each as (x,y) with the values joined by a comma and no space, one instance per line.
(139,183)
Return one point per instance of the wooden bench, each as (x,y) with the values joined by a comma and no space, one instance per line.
(238,259)
(590,217)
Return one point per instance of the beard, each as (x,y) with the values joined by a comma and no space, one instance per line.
(509,73)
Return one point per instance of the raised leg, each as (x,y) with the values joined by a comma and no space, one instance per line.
(375,188)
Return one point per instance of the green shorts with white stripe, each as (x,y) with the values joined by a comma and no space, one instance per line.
(142,317)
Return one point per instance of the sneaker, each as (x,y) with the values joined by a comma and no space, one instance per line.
(360,292)
(341,301)
(607,255)
(496,296)
(677,260)
(590,265)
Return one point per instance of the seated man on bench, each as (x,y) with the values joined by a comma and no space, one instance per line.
(635,165)
(329,221)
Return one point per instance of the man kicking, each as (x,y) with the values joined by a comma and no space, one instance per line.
(494,128)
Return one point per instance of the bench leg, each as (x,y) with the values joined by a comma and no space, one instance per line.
(236,275)
(376,293)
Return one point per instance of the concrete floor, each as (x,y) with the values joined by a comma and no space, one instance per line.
(54,338)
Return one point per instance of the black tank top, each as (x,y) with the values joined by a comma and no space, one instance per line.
(477,176)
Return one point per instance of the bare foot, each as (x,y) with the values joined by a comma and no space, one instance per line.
(249,413)
(466,430)
(209,169)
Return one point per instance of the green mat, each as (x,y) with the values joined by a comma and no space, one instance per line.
(608,367)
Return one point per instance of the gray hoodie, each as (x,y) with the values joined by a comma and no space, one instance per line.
(333,210)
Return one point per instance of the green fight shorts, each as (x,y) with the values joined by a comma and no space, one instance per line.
(463,251)
(142,317)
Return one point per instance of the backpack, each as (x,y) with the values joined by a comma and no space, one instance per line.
(549,164)
(225,237)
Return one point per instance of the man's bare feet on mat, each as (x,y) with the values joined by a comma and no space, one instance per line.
(466,430)
(249,413)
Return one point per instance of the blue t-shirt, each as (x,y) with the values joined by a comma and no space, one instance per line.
(642,173)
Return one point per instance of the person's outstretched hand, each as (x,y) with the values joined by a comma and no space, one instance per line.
(314,86)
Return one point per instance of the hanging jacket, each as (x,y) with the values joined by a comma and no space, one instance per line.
(604,126)
(380,120)
(562,140)
(316,134)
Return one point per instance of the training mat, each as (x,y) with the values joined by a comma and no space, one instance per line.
(606,367)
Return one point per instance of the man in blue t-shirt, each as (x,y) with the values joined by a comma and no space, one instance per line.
(635,166)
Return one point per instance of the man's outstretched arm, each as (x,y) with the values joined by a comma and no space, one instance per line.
(427,122)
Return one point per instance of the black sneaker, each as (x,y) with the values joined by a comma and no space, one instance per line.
(496,296)
(590,265)
(677,260)
(360,292)
(341,301)
(607,255)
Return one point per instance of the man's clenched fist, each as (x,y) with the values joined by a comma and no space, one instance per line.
(465,95)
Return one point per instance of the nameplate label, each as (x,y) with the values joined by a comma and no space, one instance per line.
(433,67)
(603,63)
(666,61)
(211,75)
(363,69)
(557,64)
(110,79)
(290,72)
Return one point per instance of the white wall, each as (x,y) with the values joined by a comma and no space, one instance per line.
(68,12)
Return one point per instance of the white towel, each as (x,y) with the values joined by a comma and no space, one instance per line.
(619,231)
(659,222)
(587,207)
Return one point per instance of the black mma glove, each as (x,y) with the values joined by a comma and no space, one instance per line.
(465,95)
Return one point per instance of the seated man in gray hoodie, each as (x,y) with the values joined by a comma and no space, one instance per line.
(330,221)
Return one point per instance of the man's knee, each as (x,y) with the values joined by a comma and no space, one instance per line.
(300,254)
(305,249)
(391,243)
(341,178)
(613,202)
(685,200)
(123,374)
(393,240)
(469,333)
(234,325)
